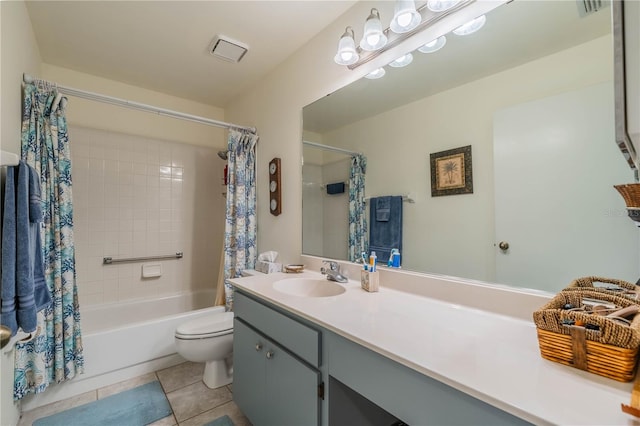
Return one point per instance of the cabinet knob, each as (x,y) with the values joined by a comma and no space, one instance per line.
(258,346)
(269,354)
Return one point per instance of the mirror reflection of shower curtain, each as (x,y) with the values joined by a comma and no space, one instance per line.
(55,354)
(357,213)
(240,230)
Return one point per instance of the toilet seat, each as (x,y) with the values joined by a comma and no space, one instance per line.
(202,328)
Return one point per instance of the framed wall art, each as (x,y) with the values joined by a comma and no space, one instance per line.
(451,172)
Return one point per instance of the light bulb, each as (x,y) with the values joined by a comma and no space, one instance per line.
(377,73)
(441,5)
(471,26)
(402,61)
(346,56)
(373,39)
(434,45)
(404,19)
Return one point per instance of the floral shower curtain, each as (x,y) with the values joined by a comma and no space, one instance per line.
(357,217)
(240,225)
(55,354)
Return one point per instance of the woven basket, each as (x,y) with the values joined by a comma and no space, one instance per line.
(610,351)
(616,287)
(630,192)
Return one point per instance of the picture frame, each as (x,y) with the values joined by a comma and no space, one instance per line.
(452,172)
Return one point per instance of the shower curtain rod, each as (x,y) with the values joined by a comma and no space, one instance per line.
(330,148)
(137,105)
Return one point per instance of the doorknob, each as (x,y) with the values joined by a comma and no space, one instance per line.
(503,245)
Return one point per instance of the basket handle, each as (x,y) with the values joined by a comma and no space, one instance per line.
(620,283)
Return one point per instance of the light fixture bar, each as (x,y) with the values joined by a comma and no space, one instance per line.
(393,39)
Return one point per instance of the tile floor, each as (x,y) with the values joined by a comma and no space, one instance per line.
(193,403)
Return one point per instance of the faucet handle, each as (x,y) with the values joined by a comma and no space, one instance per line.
(334,266)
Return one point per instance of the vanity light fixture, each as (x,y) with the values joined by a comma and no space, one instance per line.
(409,22)
(373,38)
(375,74)
(433,45)
(402,61)
(347,53)
(405,17)
(441,5)
(471,26)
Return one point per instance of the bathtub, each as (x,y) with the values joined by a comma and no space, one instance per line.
(125,340)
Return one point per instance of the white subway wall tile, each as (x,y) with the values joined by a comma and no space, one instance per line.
(137,197)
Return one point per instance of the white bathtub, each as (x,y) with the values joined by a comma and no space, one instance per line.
(124,340)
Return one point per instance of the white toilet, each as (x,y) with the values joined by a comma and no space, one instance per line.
(210,340)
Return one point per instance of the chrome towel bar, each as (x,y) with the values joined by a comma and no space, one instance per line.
(110,260)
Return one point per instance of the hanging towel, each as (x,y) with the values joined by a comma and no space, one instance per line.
(335,188)
(385,235)
(383,209)
(23,289)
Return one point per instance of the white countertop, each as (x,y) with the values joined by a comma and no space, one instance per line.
(492,357)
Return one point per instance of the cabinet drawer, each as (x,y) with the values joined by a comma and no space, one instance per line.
(300,339)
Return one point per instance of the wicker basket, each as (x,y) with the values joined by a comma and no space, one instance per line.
(630,192)
(611,350)
(615,287)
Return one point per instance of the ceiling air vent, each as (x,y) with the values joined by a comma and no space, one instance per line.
(227,49)
(587,7)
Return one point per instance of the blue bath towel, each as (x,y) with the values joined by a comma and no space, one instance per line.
(23,289)
(383,209)
(385,235)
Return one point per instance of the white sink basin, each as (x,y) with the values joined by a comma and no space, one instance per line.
(309,287)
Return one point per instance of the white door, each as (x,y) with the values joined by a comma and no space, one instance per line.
(555,165)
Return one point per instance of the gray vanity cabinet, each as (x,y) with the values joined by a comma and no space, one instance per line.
(274,383)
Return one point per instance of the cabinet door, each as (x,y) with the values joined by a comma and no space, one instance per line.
(249,363)
(292,390)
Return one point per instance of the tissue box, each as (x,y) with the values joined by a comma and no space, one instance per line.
(268,267)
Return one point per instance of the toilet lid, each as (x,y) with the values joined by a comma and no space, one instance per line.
(212,324)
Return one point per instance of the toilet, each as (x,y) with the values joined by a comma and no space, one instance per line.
(209,340)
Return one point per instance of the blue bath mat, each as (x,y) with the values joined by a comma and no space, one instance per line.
(134,407)
(220,421)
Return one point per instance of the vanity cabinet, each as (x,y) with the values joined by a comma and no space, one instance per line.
(276,359)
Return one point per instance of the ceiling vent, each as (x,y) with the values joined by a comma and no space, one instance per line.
(587,7)
(227,49)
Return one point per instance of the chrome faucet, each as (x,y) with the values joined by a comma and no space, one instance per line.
(333,272)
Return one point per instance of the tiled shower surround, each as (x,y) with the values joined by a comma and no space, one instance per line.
(139,197)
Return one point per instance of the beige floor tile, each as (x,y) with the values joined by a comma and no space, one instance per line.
(230,409)
(230,387)
(126,385)
(180,375)
(196,399)
(167,421)
(28,417)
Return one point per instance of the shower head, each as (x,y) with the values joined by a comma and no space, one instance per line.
(223,155)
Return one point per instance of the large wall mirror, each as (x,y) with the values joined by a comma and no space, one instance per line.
(533,94)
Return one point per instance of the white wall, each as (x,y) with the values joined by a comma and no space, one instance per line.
(19,53)
(404,137)
(102,116)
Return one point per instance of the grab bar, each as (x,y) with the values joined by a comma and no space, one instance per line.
(110,260)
